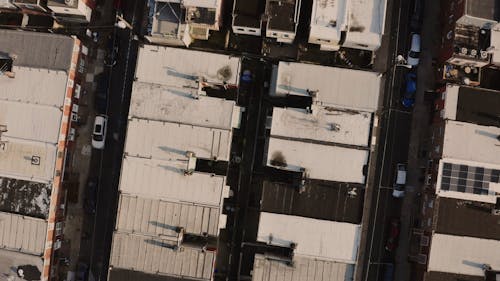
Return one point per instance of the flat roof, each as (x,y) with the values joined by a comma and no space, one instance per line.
(444,276)
(328,19)
(327,124)
(25,197)
(320,200)
(157,217)
(331,86)
(34,86)
(366,23)
(463,255)
(320,239)
(164,179)
(118,274)
(471,142)
(10,261)
(248,13)
(467,180)
(178,105)
(37,49)
(158,256)
(164,140)
(462,218)
(283,14)
(472,105)
(181,68)
(268,269)
(324,162)
(22,234)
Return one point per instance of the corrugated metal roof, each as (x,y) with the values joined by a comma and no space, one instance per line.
(23,234)
(37,49)
(160,218)
(332,86)
(164,140)
(303,269)
(323,162)
(149,254)
(34,86)
(321,239)
(166,180)
(323,124)
(156,102)
(181,68)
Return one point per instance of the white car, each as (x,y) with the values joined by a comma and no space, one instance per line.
(414,54)
(99,133)
(399,185)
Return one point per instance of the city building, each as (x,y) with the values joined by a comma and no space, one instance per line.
(247,16)
(282,19)
(72,11)
(25,13)
(460,204)
(178,23)
(357,24)
(170,212)
(40,78)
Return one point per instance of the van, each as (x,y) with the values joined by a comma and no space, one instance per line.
(400,181)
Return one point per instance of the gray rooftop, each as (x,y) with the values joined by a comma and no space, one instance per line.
(24,197)
(38,50)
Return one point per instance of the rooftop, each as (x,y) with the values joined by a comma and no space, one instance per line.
(22,234)
(181,68)
(463,255)
(201,3)
(165,179)
(467,180)
(38,50)
(330,86)
(268,269)
(10,261)
(283,14)
(118,274)
(179,105)
(481,9)
(25,197)
(63,3)
(444,276)
(323,162)
(326,124)
(319,200)
(366,20)
(159,256)
(457,217)
(158,218)
(320,239)
(471,142)
(169,141)
(328,19)
(472,105)
(248,12)
(166,18)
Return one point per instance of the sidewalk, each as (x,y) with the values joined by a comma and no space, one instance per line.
(420,125)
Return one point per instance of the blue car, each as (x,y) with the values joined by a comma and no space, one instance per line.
(408,99)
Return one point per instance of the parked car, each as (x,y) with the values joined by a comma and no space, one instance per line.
(392,241)
(99,133)
(399,184)
(101,93)
(414,54)
(408,99)
(90,202)
(417,16)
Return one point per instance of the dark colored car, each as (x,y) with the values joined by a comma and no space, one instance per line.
(90,202)
(101,96)
(392,241)
(408,99)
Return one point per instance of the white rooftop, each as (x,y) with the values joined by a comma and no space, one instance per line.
(182,68)
(323,162)
(164,179)
(366,24)
(471,142)
(157,256)
(9,261)
(320,239)
(328,19)
(347,88)
(22,234)
(324,124)
(269,269)
(170,141)
(157,217)
(156,102)
(463,255)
